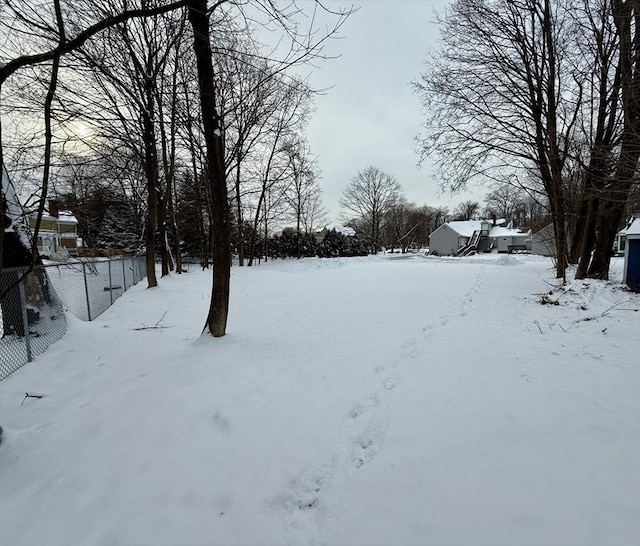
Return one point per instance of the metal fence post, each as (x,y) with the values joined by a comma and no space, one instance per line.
(124,274)
(110,284)
(86,290)
(25,321)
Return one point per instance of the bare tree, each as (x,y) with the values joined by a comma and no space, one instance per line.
(504,202)
(219,305)
(406,225)
(275,167)
(467,210)
(303,190)
(129,73)
(252,86)
(370,196)
(314,215)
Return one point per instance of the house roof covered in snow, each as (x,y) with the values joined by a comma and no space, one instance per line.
(499,231)
(64,217)
(466,228)
(633,229)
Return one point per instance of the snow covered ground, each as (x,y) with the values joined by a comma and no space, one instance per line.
(380,400)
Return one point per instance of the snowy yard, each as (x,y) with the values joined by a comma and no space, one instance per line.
(381,400)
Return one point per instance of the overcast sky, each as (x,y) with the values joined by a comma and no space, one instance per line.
(370,116)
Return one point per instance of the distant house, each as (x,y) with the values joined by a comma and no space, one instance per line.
(344,230)
(58,233)
(460,238)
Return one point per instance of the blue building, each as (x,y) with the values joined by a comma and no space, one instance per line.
(631,273)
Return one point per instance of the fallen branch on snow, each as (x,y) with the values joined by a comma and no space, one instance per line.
(27,395)
(157,325)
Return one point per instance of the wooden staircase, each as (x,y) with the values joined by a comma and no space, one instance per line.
(471,247)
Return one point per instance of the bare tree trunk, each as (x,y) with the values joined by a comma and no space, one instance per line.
(627,19)
(171,169)
(266,236)
(152,176)
(47,152)
(585,235)
(298,221)
(555,162)
(256,223)
(165,207)
(166,262)
(585,238)
(219,305)
(239,219)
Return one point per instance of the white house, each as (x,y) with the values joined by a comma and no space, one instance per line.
(460,238)
(58,234)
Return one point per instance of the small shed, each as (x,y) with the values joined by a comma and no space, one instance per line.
(631,272)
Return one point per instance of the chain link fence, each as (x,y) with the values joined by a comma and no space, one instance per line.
(89,288)
(33,304)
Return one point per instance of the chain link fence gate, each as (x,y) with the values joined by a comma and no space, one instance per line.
(33,307)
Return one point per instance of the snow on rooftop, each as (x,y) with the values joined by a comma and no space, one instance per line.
(466,228)
(631,227)
(499,231)
(63,216)
(634,228)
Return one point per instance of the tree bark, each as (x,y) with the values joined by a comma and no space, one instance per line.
(152,176)
(219,305)
(164,200)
